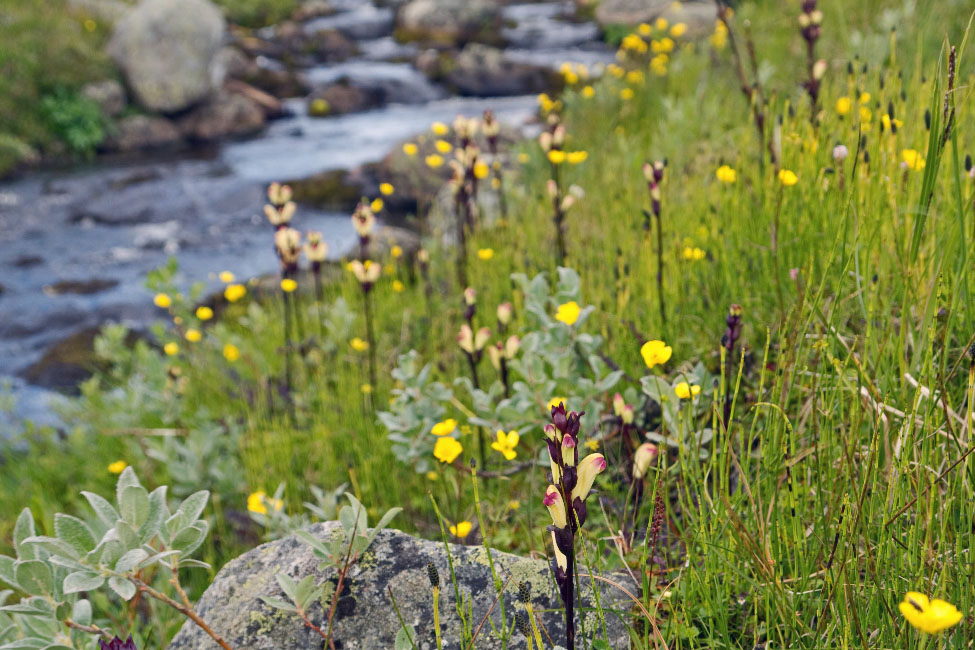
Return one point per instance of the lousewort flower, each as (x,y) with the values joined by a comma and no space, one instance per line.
(366,272)
(931,616)
(642,458)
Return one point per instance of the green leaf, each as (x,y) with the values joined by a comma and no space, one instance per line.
(388,517)
(53,546)
(122,587)
(74,532)
(193,564)
(7,571)
(103,509)
(158,512)
(126,536)
(279,604)
(82,581)
(190,538)
(23,529)
(29,643)
(404,640)
(34,577)
(130,560)
(81,612)
(287,585)
(134,505)
(126,479)
(306,592)
(191,508)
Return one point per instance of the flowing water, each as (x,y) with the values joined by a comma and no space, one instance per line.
(75,246)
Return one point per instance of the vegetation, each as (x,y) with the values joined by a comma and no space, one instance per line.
(257,13)
(784,312)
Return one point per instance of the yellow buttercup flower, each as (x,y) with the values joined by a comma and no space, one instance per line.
(359,345)
(396,251)
(288,285)
(644,29)
(162,301)
(117,467)
(461,530)
(576,157)
(227,277)
(439,128)
(866,114)
(788,177)
(555,401)
(514,504)
(568,313)
(410,149)
(447,449)
(693,253)
(258,502)
(485,254)
(843,105)
(678,30)
(864,98)
(204,313)
(655,353)
(444,428)
(661,23)
(726,174)
(398,287)
(687,391)
(234,292)
(556,156)
(193,335)
(523,157)
(626,94)
(385,189)
(432,475)
(171,348)
(433,161)
(443,146)
(377,204)
(506,443)
(931,616)
(481,170)
(230,352)
(913,159)
(588,92)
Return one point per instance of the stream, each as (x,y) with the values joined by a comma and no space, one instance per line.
(75,245)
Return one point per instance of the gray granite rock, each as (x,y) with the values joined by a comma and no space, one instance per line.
(365,618)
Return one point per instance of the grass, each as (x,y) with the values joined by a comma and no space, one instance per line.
(843,479)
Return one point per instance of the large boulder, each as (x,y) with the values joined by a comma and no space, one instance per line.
(227,114)
(449,22)
(483,71)
(141,132)
(167,50)
(365,618)
(699,16)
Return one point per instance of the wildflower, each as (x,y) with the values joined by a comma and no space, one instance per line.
(410,149)
(568,313)
(890,124)
(556,156)
(644,29)
(447,449)
(843,105)
(234,292)
(506,444)
(644,455)
(162,301)
(554,402)
(204,313)
(385,189)
(931,616)
(788,177)
(461,530)
(576,157)
(505,312)
(866,114)
(913,159)
(588,92)
(279,194)
(226,277)
(618,404)
(655,353)
(719,38)
(589,468)
(377,204)
(359,345)
(635,77)
(472,343)
(693,253)
(658,65)
(523,157)
(230,352)
(434,161)
(485,254)
(592,445)
(444,428)
(556,506)
(258,502)
(366,389)
(117,467)
(481,170)
(439,128)
(396,251)
(628,414)
(171,348)
(366,272)
(288,285)
(193,335)
(840,152)
(443,146)
(687,391)
(661,23)
(633,43)
(363,220)
(280,216)
(514,504)
(663,45)
(398,286)
(626,94)
(678,30)
(432,475)
(315,249)
(726,174)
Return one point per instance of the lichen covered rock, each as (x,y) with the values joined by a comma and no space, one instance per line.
(365,618)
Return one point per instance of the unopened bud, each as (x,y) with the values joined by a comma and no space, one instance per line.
(558,135)
(618,404)
(505,313)
(470,296)
(545,141)
(627,414)
(511,347)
